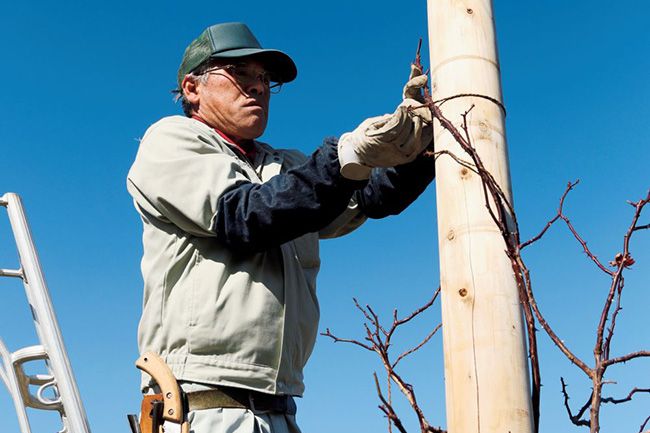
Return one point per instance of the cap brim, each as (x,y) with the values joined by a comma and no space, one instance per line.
(277,63)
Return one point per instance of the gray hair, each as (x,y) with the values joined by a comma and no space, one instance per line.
(198,75)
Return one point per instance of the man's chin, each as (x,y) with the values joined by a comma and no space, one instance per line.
(255,128)
(253,132)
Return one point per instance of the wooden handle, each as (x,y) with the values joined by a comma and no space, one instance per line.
(155,367)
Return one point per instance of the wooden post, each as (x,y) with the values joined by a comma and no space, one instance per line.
(486,368)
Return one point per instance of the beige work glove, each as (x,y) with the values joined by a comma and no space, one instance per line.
(421,115)
(391,139)
(415,85)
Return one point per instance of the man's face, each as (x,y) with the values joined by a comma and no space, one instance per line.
(234,100)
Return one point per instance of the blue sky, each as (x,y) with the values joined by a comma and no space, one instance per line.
(83,80)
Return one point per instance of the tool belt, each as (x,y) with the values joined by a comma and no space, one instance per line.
(221,397)
(227,397)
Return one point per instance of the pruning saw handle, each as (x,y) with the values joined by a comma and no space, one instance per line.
(154,366)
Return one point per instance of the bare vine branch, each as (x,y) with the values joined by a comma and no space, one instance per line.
(626,398)
(387,408)
(644,424)
(425,341)
(626,358)
(379,338)
(568,189)
(577,418)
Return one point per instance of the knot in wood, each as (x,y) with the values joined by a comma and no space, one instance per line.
(462,292)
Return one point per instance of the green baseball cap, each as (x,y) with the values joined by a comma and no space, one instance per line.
(232,41)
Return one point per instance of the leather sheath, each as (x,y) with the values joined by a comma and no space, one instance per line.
(146,410)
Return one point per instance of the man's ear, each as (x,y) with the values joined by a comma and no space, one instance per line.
(190,89)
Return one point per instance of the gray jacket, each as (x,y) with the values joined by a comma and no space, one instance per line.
(218,316)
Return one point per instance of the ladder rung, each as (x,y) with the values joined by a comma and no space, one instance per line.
(17,273)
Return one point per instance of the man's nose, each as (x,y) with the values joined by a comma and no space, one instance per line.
(257,87)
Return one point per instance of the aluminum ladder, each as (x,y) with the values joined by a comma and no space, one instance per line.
(59,381)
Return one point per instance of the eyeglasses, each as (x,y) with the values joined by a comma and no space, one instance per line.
(246,76)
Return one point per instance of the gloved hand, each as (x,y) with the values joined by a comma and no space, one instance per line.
(391,139)
(413,97)
(415,84)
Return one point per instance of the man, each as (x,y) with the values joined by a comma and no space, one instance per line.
(231,227)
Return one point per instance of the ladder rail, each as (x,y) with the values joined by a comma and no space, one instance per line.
(10,379)
(47,328)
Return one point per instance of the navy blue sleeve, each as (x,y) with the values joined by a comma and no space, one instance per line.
(255,217)
(391,190)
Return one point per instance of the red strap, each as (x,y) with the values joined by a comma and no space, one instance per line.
(247,147)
